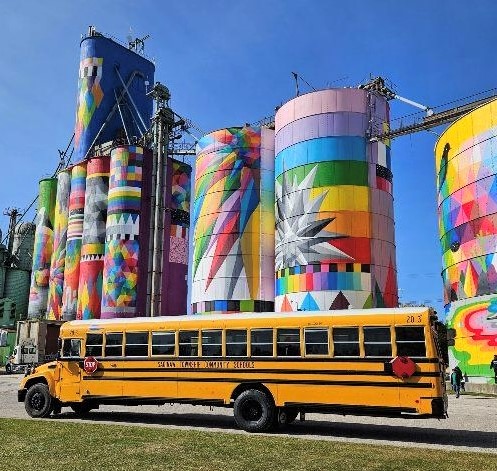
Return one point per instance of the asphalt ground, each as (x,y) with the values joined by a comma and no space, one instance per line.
(471,426)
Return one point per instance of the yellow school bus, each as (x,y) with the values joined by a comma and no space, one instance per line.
(268,367)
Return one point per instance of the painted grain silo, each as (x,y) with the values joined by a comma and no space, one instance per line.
(127,233)
(18,275)
(335,245)
(17,289)
(22,247)
(42,250)
(466,164)
(57,266)
(93,238)
(110,72)
(73,244)
(233,217)
(176,229)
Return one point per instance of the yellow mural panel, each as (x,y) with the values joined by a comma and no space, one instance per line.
(343,198)
(460,133)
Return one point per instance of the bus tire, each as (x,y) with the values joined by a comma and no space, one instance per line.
(81,408)
(8,368)
(38,402)
(254,411)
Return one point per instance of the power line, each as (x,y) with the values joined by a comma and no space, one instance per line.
(61,165)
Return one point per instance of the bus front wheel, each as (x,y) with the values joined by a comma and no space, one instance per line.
(254,411)
(38,402)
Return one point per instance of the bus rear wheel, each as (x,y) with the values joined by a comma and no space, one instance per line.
(254,411)
(38,402)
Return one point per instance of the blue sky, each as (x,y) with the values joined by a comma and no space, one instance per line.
(230,62)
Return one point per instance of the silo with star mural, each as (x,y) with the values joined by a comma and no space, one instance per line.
(335,245)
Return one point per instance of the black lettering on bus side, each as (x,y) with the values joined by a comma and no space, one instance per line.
(190,364)
(217,364)
(244,364)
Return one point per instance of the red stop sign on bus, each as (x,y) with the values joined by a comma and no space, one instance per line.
(90,365)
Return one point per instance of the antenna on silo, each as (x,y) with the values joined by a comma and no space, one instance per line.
(296,78)
(137,44)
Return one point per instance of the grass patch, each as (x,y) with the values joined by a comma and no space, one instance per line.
(49,445)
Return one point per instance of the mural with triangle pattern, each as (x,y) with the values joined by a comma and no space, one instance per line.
(466,163)
(335,244)
(233,214)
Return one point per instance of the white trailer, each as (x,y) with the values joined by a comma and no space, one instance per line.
(36,343)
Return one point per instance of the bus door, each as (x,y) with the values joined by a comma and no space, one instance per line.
(107,379)
(69,373)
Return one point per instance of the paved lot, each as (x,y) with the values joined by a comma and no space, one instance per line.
(471,425)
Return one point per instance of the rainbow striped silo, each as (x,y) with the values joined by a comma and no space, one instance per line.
(335,245)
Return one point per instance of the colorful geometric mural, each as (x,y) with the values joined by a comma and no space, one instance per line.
(122,242)
(73,244)
(466,162)
(181,183)
(93,239)
(475,322)
(233,213)
(57,267)
(466,158)
(104,66)
(90,93)
(335,244)
(176,228)
(43,247)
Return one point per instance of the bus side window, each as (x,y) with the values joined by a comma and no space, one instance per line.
(236,343)
(71,348)
(288,342)
(114,344)
(346,341)
(316,341)
(212,345)
(163,343)
(261,342)
(188,343)
(377,342)
(94,344)
(410,341)
(136,344)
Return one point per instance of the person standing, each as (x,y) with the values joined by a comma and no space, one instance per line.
(455,380)
(493,366)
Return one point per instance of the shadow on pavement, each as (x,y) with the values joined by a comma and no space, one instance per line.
(398,433)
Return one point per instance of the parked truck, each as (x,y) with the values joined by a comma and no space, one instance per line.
(36,343)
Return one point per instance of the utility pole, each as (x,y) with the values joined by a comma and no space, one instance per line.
(13,214)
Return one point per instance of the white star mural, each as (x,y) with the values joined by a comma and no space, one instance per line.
(300,236)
